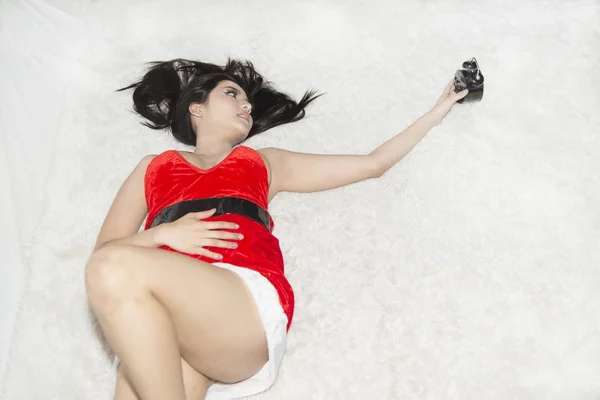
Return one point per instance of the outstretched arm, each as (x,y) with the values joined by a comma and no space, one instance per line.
(301,172)
(392,151)
(304,172)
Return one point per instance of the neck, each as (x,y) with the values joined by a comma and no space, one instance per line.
(210,152)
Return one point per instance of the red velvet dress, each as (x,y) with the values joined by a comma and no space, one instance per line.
(171,179)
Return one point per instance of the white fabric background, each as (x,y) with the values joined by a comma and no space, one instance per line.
(34,44)
(470,270)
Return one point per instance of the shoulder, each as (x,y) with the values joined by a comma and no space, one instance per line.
(152,158)
(277,158)
(258,154)
(144,163)
(146,160)
(274,159)
(271,154)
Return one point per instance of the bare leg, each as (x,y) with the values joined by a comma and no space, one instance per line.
(196,385)
(156,307)
(124,390)
(140,331)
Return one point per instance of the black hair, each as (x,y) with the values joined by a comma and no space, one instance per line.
(164,94)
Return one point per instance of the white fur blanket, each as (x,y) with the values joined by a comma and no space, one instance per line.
(471,270)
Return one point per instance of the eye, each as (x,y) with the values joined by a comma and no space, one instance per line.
(232,92)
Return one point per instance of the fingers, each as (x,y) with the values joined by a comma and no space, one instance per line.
(207,253)
(221,239)
(226,235)
(461,94)
(453,97)
(202,214)
(449,87)
(212,225)
(223,244)
(447,92)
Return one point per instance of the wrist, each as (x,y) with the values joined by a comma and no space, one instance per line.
(158,235)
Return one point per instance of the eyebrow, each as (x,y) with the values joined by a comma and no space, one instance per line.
(232,87)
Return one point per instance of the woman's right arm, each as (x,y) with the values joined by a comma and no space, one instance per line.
(127,213)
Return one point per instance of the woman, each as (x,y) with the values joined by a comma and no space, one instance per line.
(197,303)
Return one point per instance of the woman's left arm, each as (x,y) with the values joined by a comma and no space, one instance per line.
(301,172)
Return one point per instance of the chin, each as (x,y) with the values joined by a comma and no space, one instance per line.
(241,136)
(242,131)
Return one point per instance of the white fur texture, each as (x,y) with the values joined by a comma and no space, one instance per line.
(470,270)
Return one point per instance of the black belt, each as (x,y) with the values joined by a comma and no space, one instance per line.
(224,205)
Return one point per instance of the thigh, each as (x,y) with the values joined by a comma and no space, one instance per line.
(196,384)
(218,325)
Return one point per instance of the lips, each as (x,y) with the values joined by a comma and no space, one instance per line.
(245,116)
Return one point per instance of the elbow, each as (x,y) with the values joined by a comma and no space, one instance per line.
(379,173)
(376,169)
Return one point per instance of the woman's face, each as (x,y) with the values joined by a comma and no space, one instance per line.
(226,112)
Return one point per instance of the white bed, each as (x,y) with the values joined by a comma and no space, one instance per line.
(471,270)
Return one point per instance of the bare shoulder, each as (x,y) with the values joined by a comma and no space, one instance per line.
(140,169)
(146,160)
(274,159)
(271,155)
(267,155)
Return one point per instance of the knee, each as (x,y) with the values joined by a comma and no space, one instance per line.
(109,277)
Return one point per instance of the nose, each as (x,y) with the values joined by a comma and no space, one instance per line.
(247,107)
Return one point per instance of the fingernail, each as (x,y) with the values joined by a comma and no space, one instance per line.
(241,236)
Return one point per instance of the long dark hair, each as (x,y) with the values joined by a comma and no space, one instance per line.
(164,94)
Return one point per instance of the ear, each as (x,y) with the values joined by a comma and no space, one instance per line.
(196,109)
